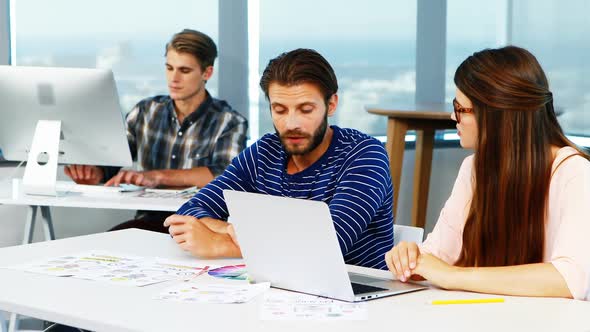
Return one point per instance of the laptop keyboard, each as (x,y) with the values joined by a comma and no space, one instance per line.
(362,289)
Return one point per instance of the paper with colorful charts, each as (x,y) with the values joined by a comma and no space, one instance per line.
(191,292)
(281,305)
(122,269)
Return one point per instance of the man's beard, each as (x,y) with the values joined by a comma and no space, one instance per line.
(316,139)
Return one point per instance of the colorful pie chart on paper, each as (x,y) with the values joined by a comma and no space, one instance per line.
(233,272)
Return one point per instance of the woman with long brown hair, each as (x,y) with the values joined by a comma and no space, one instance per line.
(516,222)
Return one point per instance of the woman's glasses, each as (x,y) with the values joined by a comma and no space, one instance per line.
(460,109)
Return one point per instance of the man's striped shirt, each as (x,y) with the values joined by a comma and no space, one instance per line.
(352,177)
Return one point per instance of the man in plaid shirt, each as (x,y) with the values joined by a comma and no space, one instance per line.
(183,139)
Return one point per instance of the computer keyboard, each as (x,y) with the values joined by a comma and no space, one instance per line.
(362,289)
(68,186)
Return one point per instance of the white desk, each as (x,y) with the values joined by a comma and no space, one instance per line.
(105,307)
(124,201)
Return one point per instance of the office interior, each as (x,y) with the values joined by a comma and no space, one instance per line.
(384,52)
(407,53)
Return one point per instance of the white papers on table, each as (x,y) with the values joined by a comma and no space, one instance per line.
(187,193)
(213,293)
(296,306)
(111,267)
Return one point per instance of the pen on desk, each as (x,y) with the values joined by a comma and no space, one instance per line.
(203,270)
(468,301)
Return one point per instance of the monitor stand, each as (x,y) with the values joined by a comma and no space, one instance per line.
(41,171)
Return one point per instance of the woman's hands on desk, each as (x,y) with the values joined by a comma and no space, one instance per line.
(84,174)
(537,279)
(205,237)
(406,262)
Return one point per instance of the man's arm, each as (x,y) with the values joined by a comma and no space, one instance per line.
(199,225)
(198,176)
(363,189)
(200,238)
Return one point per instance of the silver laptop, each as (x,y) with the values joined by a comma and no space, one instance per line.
(293,244)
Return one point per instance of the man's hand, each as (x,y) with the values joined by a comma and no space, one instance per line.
(232,233)
(84,174)
(194,236)
(149,179)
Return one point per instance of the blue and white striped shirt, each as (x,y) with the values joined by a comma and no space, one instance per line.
(352,177)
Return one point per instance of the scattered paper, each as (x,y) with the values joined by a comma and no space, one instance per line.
(113,268)
(213,293)
(295,306)
(165,193)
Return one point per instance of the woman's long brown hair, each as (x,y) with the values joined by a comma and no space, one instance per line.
(517,127)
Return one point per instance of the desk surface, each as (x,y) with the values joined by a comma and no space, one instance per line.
(123,201)
(105,307)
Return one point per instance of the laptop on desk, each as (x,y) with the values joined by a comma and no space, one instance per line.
(293,244)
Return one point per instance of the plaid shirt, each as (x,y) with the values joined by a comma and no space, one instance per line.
(209,137)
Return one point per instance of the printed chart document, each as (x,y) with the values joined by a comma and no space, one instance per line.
(213,293)
(296,306)
(115,268)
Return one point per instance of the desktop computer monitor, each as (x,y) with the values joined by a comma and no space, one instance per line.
(74,110)
(84,100)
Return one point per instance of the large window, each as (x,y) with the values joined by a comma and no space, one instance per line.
(471,27)
(370,45)
(556,32)
(126,36)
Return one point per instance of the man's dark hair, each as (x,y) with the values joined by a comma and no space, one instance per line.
(300,66)
(196,43)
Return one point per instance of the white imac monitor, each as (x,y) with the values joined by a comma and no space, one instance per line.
(56,115)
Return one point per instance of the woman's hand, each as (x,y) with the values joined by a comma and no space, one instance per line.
(436,271)
(406,262)
(402,260)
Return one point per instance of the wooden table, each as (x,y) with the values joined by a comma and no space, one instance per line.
(424,119)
